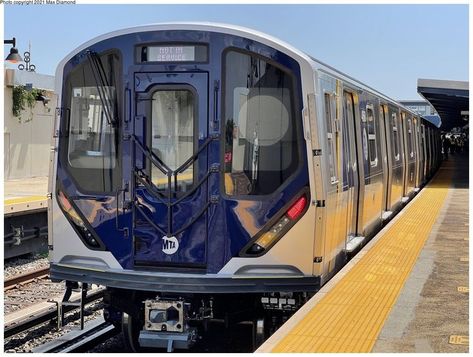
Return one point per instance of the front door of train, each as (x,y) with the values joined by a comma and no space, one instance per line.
(170,163)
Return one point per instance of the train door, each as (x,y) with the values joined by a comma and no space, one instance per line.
(406,154)
(428,151)
(338,190)
(373,176)
(410,156)
(171,168)
(335,207)
(436,149)
(424,152)
(387,158)
(396,158)
(350,166)
(419,158)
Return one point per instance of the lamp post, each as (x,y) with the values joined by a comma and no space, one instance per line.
(13,56)
(27,66)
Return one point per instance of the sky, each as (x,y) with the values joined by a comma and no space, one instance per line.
(385,46)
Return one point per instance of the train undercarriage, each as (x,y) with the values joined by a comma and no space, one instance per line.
(152,320)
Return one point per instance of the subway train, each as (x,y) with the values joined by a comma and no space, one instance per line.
(210,172)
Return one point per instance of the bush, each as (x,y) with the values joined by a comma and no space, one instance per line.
(23,97)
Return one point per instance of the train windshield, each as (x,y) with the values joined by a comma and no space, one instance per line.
(92,145)
(261,149)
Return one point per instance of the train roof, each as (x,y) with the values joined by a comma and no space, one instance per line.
(233,30)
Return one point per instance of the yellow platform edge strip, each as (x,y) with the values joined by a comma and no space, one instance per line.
(350,317)
(27,199)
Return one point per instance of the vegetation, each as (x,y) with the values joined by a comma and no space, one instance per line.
(23,97)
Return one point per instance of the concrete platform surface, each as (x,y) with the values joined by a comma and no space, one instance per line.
(31,186)
(431,314)
(25,195)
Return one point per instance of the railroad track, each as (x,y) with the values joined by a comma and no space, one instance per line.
(28,318)
(25,290)
(25,278)
(95,332)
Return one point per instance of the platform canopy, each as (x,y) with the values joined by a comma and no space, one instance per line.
(449,98)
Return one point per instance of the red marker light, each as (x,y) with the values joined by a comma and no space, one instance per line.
(297,208)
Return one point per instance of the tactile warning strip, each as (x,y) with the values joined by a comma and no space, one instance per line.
(22,204)
(27,199)
(350,317)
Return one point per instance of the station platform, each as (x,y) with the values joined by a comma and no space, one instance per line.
(25,194)
(405,291)
(25,217)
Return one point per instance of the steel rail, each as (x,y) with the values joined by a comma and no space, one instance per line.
(31,320)
(94,333)
(25,278)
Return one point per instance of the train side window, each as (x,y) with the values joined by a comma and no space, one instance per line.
(329,121)
(261,148)
(397,157)
(371,124)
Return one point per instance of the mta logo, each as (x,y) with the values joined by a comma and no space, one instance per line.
(170,245)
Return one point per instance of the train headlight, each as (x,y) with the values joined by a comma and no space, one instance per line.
(76,220)
(268,238)
(69,210)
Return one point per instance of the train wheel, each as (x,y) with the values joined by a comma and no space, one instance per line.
(131,330)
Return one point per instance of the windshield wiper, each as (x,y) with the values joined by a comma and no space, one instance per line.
(103,87)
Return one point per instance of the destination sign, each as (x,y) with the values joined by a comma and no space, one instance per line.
(171,53)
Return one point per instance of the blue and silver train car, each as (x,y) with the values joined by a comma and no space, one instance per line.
(203,171)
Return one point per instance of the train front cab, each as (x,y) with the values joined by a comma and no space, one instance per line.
(182,171)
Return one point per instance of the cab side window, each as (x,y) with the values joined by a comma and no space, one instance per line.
(261,143)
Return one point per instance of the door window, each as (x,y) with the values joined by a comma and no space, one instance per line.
(172,136)
(410,146)
(372,148)
(397,156)
(329,121)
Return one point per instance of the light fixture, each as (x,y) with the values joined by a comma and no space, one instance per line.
(13,56)
(278,229)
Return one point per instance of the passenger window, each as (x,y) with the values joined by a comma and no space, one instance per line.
(261,146)
(397,157)
(329,120)
(172,136)
(371,124)
(91,146)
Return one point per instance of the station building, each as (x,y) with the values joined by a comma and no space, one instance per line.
(27,137)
